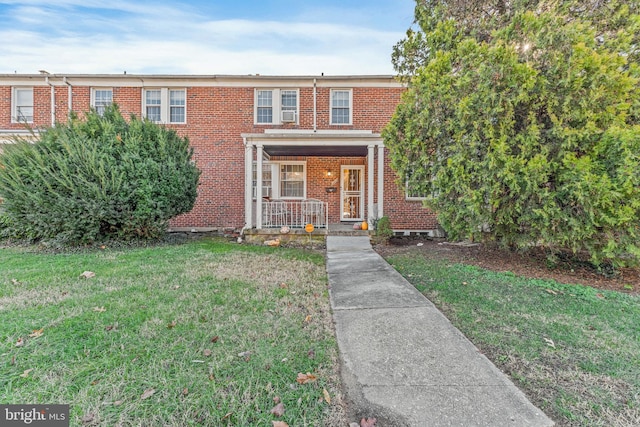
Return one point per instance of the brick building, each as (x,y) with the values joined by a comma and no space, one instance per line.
(313,142)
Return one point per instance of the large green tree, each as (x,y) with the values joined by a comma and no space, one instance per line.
(99,177)
(521,122)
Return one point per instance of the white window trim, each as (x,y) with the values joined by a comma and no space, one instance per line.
(275,179)
(276,106)
(350,106)
(93,95)
(165,108)
(14,104)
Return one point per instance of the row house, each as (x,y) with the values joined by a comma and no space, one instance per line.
(273,150)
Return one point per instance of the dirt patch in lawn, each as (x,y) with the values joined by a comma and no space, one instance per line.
(532,264)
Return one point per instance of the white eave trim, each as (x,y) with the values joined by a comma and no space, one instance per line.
(325,138)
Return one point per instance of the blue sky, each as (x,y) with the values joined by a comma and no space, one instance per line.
(269,37)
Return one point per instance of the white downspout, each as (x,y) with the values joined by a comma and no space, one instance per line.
(69,96)
(314,105)
(53,101)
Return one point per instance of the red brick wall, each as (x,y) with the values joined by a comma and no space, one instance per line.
(216,118)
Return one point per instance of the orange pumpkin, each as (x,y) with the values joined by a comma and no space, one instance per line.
(364,225)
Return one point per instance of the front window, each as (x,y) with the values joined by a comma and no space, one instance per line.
(340,107)
(177,104)
(165,105)
(22,105)
(264,113)
(153,102)
(101,99)
(289,105)
(292,179)
(267,186)
(276,106)
(281,180)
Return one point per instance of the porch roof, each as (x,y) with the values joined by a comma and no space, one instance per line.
(314,143)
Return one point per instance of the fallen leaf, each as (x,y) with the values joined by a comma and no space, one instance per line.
(307,319)
(36,333)
(20,342)
(215,339)
(25,374)
(94,382)
(368,422)
(227,415)
(13,360)
(185,391)
(99,309)
(283,286)
(276,399)
(15,282)
(278,410)
(212,377)
(551,291)
(279,424)
(170,325)
(311,354)
(244,354)
(88,418)
(118,402)
(109,328)
(550,343)
(147,393)
(207,352)
(306,378)
(599,295)
(327,398)
(87,274)
(176,287)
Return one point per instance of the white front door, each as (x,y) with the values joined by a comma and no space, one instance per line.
(351,193)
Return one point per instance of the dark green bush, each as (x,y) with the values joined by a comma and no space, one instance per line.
(383,228)
(101,177)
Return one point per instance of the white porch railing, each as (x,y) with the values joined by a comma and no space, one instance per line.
(294,213)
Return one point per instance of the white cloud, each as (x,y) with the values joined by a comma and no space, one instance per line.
(139,39)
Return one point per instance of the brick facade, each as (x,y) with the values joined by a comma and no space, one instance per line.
(219,111)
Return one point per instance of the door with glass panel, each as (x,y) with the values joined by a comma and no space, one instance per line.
(351,193)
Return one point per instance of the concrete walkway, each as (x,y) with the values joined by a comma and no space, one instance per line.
(403,361)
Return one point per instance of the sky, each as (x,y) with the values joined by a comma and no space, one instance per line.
(267,37)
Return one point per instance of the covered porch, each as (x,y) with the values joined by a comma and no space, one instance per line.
(312,177)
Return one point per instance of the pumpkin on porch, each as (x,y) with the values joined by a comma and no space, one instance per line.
(364,225)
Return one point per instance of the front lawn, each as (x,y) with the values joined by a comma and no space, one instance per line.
(574,350)
(202,333)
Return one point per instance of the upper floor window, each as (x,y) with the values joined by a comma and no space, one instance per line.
(100,99)
(341,107)
(22,105)
(165,105)
(276,106)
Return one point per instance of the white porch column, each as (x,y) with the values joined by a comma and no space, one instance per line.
(259,186)
(248,178)
(380,180)
(370,154)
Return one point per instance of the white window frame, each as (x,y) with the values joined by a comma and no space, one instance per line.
(350,106)
(408,196)
(276,179)
(165,104)
(100,108)
(276,105)
(14,104)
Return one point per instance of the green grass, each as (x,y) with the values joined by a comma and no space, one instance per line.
(148,319)
(574,350)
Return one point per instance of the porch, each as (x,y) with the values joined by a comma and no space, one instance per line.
(309,177)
